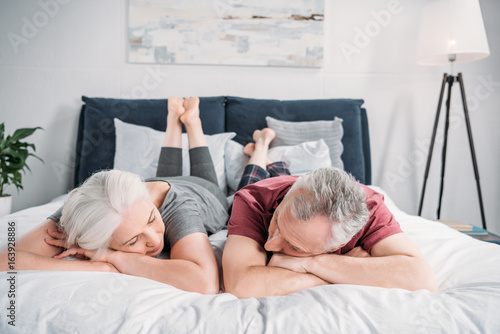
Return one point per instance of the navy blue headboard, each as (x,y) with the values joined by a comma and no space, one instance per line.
(95,145)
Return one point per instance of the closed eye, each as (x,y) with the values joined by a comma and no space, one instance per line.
(294,248)
(151,220)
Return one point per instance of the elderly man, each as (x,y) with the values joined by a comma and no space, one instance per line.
(317,229)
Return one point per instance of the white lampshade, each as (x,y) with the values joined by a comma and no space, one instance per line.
(451,27)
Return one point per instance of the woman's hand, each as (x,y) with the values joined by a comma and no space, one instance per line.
(85,254)
(58,238)
(101,263)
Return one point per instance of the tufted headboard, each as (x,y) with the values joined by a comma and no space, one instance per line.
(95,146)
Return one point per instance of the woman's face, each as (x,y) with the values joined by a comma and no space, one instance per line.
(141,231)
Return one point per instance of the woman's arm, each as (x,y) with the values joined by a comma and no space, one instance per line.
(30,261)
(34,240)
(192,265)
(31,252)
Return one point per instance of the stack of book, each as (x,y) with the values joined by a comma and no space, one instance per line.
(464,228)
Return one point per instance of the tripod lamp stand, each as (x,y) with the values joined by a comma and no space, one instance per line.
(451,31)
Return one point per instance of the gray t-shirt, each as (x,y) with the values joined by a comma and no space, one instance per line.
(189,207)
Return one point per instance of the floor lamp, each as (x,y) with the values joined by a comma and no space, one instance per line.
(451,31)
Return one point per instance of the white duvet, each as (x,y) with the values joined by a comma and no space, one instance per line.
(468,301)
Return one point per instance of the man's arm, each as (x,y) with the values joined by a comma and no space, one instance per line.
(395,262)
(246,273)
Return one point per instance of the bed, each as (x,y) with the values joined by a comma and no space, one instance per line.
(467,269)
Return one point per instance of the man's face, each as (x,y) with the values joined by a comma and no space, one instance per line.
(297,238)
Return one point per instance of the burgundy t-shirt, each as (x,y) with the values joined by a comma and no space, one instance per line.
(254,205)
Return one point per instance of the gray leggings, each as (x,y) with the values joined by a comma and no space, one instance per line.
(202,167)
(200,160)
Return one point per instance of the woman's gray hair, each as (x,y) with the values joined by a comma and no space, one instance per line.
(93,211)
(335,194)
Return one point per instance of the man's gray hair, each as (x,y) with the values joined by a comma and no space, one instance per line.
(93,211)
(332,193)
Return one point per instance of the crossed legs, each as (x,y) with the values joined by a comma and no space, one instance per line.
(259,166)
(185,111)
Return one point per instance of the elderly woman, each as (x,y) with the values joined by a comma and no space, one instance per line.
(123,223)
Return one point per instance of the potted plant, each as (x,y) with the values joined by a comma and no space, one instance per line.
(13,155)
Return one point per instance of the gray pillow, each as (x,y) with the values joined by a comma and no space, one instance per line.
(293,133)
(301,159)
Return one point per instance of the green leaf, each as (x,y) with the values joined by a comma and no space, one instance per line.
(13,156)
(23,133)
(36,156)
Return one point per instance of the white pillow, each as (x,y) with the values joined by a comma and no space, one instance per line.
(304,157)
(138,149)
(293,133)
(301,159)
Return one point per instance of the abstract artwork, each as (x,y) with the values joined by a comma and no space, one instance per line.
(226,32)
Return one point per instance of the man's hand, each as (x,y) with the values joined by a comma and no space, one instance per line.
(246,274)
(358,252)
(394,262)
(300,264)
(292,263)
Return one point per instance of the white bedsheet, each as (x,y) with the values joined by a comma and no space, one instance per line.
(468,272)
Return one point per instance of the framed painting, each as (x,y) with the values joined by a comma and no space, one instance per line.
(226,32)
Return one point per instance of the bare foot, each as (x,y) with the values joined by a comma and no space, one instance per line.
(175,107)
(249,149)
(264,136)
(192,113)
(258,150)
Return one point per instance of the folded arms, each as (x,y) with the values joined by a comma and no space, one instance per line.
(394,262)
